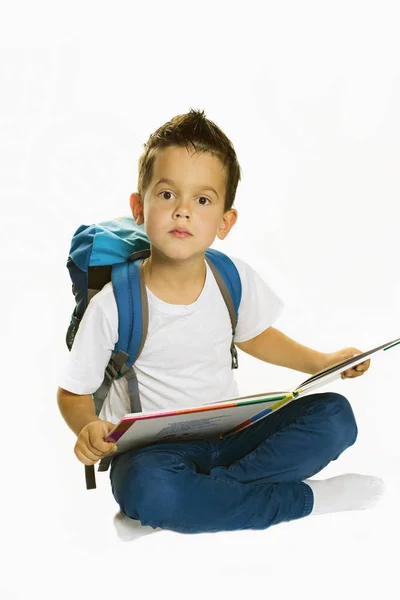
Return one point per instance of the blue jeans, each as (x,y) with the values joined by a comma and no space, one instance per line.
(250,480)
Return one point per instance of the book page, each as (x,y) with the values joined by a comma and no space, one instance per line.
(333,372)
(138,429)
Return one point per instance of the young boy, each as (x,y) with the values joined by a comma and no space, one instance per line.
(258,477)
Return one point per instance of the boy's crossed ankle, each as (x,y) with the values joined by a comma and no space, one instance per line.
(345,492)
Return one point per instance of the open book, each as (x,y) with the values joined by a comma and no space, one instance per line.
(221,418)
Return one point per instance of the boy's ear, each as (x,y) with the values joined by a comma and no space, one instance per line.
(136,208)
(227,222)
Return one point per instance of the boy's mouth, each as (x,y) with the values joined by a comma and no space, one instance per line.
(180,234)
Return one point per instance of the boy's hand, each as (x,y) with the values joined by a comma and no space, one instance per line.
(90,446)
(336,357)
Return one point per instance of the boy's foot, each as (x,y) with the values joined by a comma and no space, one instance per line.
(129,529)
(345,492)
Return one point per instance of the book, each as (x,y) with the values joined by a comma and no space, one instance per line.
(221,418)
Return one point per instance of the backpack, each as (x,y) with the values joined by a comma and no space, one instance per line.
(114,251)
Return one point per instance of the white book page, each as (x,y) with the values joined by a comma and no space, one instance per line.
(331,373)
(142,430)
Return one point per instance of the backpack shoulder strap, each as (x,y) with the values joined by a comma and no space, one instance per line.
(229,283)
(133,316)
(131,297)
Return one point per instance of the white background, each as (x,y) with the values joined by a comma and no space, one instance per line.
(308,92)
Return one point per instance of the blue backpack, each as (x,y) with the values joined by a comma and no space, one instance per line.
(114,251)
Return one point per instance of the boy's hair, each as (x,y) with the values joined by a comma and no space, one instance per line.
(204,136)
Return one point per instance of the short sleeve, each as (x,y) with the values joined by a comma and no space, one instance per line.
(83,370)
(260,306)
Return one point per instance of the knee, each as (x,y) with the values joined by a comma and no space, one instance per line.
(341,419)
(147,490)
(155,501)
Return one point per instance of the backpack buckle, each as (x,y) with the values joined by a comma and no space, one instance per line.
(111,371)
(235,361)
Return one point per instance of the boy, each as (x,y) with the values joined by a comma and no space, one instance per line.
(258,477)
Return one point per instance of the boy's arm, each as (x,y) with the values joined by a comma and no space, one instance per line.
(80,415)
(275,347)
(77,410)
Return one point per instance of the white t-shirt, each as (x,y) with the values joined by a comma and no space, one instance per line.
(186,359)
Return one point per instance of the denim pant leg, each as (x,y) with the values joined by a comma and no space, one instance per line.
(168,485)
(250,480)
(291,444)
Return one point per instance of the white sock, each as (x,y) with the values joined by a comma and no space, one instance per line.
(129,529)
(345,492)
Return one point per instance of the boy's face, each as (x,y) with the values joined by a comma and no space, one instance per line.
(186,202)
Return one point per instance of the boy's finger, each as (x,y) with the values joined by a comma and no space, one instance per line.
(87,443)
(94,450)
(86,457)
(97,442)
(92,454)
(110,447)
(88,450)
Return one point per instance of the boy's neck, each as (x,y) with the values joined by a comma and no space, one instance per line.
(177,278)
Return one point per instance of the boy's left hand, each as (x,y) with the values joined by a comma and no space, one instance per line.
(334,358)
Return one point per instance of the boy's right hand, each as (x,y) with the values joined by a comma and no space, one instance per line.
(90,446)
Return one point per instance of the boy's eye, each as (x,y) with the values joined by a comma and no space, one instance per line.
(203,197)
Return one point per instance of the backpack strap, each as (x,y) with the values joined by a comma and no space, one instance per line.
(133,317)
(133,312)
(228,280)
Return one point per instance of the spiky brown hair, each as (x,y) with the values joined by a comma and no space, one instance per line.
(192,128)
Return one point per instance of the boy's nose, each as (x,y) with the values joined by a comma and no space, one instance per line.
(182,209)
